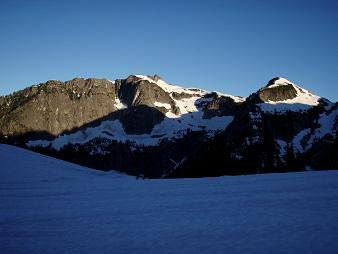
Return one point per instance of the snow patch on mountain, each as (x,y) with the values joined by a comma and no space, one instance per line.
(190,105)
(119,105)
(107,129)
(306,138)
(282,147)
(237,99)
(168,128)
(298,141)
(327,126)
(170,88)
(162,105)
(280,82)
(281,108)
(177,127)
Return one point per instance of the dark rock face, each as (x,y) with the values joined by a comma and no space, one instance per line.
(180,96)
(279,93)
(272,81)
(221,106)
(55,107)
(140,120)
(136,91)
(273,92)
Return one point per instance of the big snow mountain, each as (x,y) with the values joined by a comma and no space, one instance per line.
(143,125)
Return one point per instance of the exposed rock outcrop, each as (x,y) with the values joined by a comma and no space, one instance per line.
(221,106)
(55,107)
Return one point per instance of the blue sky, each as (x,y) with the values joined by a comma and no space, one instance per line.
(229,46)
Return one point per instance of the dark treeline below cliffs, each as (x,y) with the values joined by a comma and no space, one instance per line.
(145,126)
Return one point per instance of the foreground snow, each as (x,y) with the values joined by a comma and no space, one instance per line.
(50,206)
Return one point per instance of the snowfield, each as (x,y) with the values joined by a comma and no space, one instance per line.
(51,206)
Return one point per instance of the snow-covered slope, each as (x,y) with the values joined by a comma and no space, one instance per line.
(48,206)
(19,165)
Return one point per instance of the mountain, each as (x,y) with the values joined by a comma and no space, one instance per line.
(143,125)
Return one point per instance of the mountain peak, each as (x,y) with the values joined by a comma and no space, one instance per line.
(282,95)
(279,81)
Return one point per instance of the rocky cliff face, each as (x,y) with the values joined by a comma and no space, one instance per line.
(143,125)
(56,107)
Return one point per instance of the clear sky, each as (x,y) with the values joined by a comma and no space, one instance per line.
(229,46)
